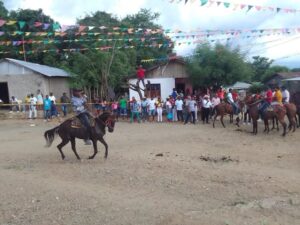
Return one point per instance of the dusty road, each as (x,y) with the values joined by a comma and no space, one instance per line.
(203,176)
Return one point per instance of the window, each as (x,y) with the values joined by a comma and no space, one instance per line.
(154,91)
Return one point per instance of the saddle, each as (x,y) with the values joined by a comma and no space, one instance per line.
(76,123)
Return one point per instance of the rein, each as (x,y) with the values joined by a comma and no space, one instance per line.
(254,103)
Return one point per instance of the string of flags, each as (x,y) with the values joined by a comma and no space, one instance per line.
(188,39)
(240,6)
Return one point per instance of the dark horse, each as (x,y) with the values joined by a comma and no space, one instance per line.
(295,98)
(68,133)
(225,108)
(252,104)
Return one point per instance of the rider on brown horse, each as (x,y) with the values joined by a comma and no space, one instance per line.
(79,107)
(231,101)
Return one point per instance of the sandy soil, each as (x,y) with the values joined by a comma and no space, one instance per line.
(201,176)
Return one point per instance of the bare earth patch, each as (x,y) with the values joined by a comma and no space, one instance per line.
(155,174)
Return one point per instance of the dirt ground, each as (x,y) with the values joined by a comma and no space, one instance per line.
(155,174)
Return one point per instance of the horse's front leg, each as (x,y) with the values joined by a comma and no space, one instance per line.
(215,117)
(63,143)
(238,121)
(73,143)
(222,120)
(105,145)
(95,148)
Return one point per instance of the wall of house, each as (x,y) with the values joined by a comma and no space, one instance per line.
(172,69)
(58,85)
(166,86)
(22,81)
(19,85)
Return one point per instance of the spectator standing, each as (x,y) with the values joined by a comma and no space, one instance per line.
(191,103)
(64,100)
(123,107)
(206,105)
(54,112)
(169,110)
(39,97)
(47,108)
(52,97)
(151,106)
(159,104)
(179,108)
(32,107)
(144,110)
(135,110)
(14,104)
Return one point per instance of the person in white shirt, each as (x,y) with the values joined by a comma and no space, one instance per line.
(206,105)
(231,101)
(285,95)
(178,106)
(52,97)
(32,107)
(151,106)
(191,103)
(214,102)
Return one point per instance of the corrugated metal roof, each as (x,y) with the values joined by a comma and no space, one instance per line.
(42,69)
(293,79)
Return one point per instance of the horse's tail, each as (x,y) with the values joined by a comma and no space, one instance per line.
(50,135)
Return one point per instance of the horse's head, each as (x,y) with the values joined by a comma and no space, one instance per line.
(109,120)
(110,123)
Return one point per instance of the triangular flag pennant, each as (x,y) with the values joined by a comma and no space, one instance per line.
(91,27)
(278,9)
(56,26)
(185,1)
(242,6)
(226,4)
(11,22)
(258,8)
(218,3)
(81,28)
(203,2)
(249,7)
(2,22)
(21,24)
(46,26)
(38,24)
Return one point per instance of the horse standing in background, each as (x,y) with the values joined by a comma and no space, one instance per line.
(224,108)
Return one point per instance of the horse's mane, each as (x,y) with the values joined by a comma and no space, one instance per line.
(104,115)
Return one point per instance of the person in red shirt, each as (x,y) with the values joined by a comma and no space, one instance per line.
(266,102)
(220,94)
(140,75)
(234,96)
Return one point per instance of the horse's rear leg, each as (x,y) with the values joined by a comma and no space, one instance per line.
(283,123)
(62,144)
(215,117)
(267,129)
(95,149)
(254,127)
(73,143)
(106,147)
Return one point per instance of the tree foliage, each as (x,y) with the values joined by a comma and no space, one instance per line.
(260,65)
(217,65)
(123,43)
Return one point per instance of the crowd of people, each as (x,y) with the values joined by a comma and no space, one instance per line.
(32,103)
(176,108)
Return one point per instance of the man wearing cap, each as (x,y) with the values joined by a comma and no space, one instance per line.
(78,102)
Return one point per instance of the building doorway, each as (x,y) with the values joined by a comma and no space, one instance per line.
(4,92)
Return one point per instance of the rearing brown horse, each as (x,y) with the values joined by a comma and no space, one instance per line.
(68,133)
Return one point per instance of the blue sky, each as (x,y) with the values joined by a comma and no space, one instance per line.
(284,48)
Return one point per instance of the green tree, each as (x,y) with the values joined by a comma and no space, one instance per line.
(260,65)
(273,70)
(217,65)
(3,10)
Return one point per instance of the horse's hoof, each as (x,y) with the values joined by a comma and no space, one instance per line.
(91,157)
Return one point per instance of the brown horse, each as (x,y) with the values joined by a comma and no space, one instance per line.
(295,98)
(253,111)
(225,108)
(291,112)
(277,112)
(68,132)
